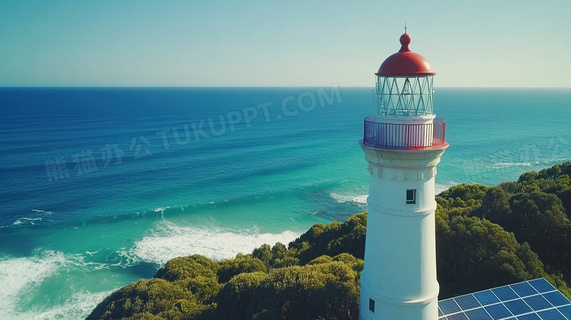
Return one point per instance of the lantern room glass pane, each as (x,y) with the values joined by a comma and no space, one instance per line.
(404,96)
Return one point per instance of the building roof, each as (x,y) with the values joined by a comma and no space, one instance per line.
(533,299)
(405,62)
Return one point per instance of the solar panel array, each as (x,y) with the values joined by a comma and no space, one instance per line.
(529,300)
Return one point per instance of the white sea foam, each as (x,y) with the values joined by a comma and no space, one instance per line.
(42,211)
(169,241)
(30,221)
(541,163)
(92,253)
(499,165)
(27,221)
(343,198)
(78,306)
(19,276)
(524,164)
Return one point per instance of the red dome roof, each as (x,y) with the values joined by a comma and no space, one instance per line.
(405,63)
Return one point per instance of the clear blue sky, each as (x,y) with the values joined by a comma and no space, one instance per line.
(485,43)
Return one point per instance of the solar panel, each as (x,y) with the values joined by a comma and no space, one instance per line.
(529,300)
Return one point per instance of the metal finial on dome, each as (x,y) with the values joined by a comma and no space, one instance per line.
(404,41)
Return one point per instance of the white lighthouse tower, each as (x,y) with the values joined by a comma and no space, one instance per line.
(403,144)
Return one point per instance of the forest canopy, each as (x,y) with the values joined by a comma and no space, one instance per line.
(486,237)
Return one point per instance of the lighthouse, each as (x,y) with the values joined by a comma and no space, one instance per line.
(403,143)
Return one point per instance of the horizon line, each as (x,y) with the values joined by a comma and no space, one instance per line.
(261,87)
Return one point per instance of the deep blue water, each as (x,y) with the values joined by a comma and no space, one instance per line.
(102,185)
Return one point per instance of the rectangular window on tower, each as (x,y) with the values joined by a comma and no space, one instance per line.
(372,305)
(410,196)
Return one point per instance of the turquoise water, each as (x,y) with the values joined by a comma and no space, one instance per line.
(101,186)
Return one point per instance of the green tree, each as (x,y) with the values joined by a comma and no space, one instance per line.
(540,219)
(236,297)
(333,239)
(565,196)
(495,205)
(187,267)
(278,256)
(144,298)
(474,254)
(329,290)
(465,192)
(240,264)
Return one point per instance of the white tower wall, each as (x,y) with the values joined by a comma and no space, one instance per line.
(399,276)
(403,144)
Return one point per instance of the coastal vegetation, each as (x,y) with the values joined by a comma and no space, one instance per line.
(486,237)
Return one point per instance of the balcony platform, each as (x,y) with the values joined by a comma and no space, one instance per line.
(389,135)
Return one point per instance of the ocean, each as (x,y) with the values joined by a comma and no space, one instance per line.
(100,186)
